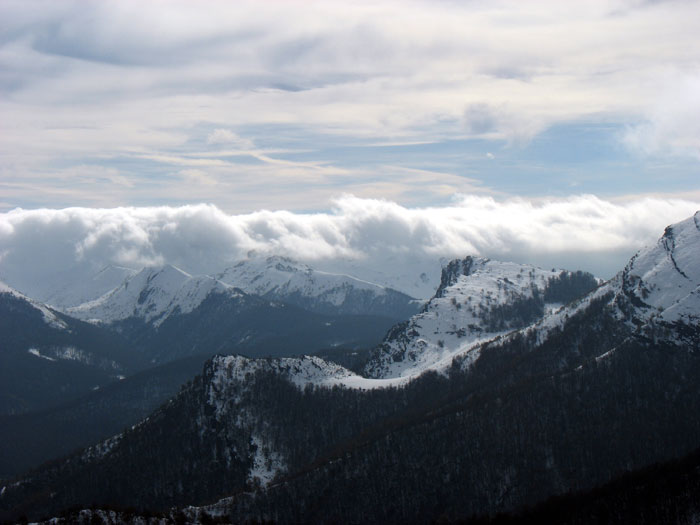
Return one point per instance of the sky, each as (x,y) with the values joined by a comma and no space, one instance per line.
(540,115)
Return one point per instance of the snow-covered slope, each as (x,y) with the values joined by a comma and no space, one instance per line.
(152,295)
(282,279)
(477,300)
(656,297)
(50,317)
(663,281)
(539,378)
(233,371)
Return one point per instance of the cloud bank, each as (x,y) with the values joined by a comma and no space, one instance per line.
(581,231)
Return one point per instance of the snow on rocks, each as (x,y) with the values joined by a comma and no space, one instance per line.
(478,300)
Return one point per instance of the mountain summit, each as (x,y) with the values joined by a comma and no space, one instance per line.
(663,281)
(283,279)
(153,294)
(478,299)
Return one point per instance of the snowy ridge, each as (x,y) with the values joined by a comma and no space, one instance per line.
(478,300)
(660,285)
(50,318)
(229,375)
(663,281)
(283,279)
(153,295)
(228,380)
(285,276)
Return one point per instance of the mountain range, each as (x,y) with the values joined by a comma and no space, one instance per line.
(160,323)
(512,384)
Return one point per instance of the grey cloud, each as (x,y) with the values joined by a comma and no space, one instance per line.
(480,118)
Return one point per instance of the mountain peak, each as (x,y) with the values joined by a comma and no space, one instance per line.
(478,299)
(283,279)
(457,268)
(664,279)
(152,294)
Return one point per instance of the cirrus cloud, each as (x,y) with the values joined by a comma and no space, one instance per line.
(132,85)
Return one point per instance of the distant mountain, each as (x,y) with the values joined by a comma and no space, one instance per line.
(477,300)
(157,316)
(286,280)
(167,314)
(47,357)
(151,295)
(604,384)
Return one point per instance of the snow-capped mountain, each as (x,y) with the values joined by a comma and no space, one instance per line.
(663,281)
(282,279)
(478,299)
(153,294)
(167,314)
(656,297)
(545,405)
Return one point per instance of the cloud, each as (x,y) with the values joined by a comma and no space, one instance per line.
(197,176)
(110,104)
(140,74)
(672,123)
(499,122)
(481,118)
(228,137)
(586,232)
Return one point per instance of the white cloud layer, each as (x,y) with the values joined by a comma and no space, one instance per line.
(586,232)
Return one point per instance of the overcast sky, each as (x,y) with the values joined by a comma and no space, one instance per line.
(290,106)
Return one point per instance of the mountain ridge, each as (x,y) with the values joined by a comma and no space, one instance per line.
(284,279)
(604,383)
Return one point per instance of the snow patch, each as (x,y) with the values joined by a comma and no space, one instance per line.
(36,353)
(266,463)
